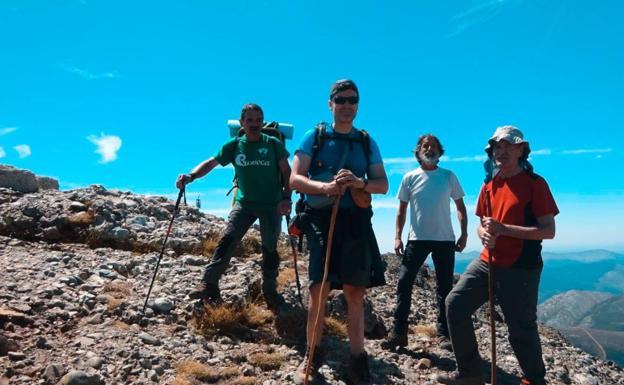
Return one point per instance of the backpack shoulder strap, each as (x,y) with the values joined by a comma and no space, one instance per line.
(365,138)
(320,134)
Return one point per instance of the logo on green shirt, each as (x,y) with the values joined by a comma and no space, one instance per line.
(241,161)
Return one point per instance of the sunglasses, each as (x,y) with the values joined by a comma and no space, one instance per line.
(345,99)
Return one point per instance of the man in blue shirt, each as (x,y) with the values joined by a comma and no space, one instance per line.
(343,162)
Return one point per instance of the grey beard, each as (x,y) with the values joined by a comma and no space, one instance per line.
(430,161)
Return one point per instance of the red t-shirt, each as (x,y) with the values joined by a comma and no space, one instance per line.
(519,201)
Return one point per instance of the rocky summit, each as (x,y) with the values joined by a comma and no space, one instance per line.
(75,267)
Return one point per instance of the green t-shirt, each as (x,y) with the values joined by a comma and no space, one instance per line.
(255,164)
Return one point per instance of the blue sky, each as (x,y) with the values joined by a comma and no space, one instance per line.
(129,94)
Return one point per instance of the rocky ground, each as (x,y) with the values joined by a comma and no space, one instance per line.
(75,267)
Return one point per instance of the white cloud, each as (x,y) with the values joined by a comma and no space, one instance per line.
(2,153)
(473,158)
(23,150)
(385,203)
(7,130)
(587,151)
(88,74)
(443,158)
(411,159)
(217,211)
(479,13)
(543,151)
(107,146)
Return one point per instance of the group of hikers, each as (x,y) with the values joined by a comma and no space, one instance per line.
(339,166)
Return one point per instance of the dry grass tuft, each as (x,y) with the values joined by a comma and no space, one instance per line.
(209,245)
(221,319)
(427,330)
(83,218)
(249,246)
(225,319)
(255,316)
(267,361)
(118,288)
(116,294)
(243,380)
(229,372)
(284,250)
(285,277)
(121,325)
(113,302)
(336,327)
(193,372)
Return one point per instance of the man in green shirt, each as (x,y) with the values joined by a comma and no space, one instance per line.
(262,171)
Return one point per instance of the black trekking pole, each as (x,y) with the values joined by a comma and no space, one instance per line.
(488,212)
(162,251)
(294,251)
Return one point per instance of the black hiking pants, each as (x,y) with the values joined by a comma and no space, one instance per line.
(416,252)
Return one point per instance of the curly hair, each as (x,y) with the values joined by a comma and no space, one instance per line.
(421,139)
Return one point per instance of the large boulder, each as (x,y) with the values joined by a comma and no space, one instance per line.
(47,183)
(19,180)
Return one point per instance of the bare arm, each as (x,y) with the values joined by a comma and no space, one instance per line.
(377,180)
(204,168)
(400,223)
(285,171)
(545,228)
(285,205)
(299,179)
(199,171)
(462,217)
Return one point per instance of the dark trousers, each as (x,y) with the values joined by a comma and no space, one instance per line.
(443,255)
(516,291)
(239,221)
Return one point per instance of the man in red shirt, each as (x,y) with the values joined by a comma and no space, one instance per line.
(517,212)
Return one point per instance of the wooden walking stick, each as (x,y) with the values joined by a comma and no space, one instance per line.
(488,212)
(330,238)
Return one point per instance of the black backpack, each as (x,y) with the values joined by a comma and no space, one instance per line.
(321,136)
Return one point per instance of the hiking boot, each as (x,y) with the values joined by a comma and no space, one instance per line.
(526,381)
(358,371)
(444,343)
(394,340)
(274,301)
(317,361)
(207,292)
(457,378)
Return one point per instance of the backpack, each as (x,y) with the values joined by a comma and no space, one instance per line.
(321,136)
(270,129)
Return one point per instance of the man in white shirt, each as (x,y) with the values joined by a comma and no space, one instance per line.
(428,191)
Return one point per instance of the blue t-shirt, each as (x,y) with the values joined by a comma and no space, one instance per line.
(331,152)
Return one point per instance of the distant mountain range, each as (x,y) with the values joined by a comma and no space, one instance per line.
(581,295)
(593,321)
(592,270)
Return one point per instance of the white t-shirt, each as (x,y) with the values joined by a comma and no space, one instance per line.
(429,194)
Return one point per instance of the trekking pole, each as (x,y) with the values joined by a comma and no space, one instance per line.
(162,251)
(488,212)
(294,252)
(330,239)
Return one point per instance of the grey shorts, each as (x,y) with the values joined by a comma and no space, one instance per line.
(355,258)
